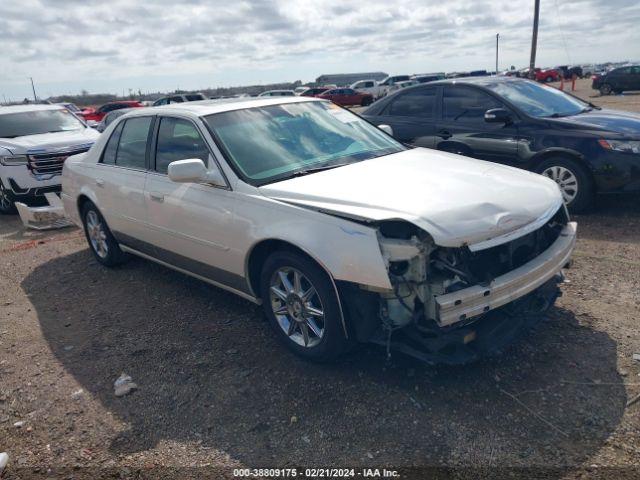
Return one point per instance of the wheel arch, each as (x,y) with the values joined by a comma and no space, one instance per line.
(85,196)
(82,201)
(259,253)
(561,152)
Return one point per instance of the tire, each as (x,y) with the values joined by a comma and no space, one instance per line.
(7,205)
(605,89)
(101,241)
(366,102)
(568,173)
(324,339)
(549,79)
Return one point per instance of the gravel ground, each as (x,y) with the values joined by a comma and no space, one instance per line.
(216,391)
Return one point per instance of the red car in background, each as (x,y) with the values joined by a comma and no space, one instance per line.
(96,115)
(347,96)
(544,75)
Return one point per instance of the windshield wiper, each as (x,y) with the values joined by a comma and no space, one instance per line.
(307,171)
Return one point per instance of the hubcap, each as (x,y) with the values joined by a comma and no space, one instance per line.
(5,201)
(97,235)
(566,180)
(297,306)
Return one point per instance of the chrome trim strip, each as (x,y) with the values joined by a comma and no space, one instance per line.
(246,296)
(470,302)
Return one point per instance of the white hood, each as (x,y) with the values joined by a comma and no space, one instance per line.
(49,142)
(457,200)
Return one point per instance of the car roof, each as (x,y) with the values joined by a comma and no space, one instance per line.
(482,81)
(207,107)
(28,108)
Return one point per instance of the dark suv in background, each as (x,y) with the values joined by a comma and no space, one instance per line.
(583,148)
(617,80)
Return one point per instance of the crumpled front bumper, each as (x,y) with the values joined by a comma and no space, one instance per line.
(464,304)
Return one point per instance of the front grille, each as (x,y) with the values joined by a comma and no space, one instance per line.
(493,262)
(51,163)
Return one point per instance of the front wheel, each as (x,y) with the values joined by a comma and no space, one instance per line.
(7,206)
(605,89)
(549,79)
(301,304)
(573,181)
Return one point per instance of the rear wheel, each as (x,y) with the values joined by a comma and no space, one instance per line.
(605,89)
(102,243)
(301,304)
(549,79)
(7,206)
(573,180)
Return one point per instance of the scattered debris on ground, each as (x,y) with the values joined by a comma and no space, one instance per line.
(124,385)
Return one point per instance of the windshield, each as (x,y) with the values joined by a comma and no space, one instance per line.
(267,144)
(37,122)
(539,100)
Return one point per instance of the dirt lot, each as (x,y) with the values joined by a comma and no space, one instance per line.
(217,391)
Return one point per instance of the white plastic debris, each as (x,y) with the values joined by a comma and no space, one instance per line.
(636,356)
(124,385)
(19,424)
(4,459)
(44,218)
(77,394)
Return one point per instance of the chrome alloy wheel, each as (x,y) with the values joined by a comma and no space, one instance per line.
(565,179)
(97,234)
(297,306)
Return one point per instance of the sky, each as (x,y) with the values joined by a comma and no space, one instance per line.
(162,45)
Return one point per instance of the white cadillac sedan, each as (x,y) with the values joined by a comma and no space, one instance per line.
(342,233)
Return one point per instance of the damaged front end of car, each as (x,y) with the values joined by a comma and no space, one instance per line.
(455,305)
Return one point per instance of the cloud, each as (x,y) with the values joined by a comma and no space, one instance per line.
(200,43)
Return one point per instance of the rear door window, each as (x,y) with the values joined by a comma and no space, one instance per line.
(419,102)
(132,147)
(178,139)
(466,105)
(109,154)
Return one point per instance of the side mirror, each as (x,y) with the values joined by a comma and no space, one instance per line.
(498,115)
(193,170)
(386,129)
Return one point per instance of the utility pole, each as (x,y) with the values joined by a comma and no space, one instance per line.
(35,99)
(534,39)
(497,44)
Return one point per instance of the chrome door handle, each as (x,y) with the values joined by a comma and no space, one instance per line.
(158,197)
(99,182)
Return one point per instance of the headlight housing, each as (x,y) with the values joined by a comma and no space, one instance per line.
(627,146)
(11,160)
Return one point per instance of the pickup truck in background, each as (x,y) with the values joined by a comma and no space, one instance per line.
(35,141)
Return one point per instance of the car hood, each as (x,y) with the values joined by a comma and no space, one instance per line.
(49,142)
(457,200)
(625,123)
